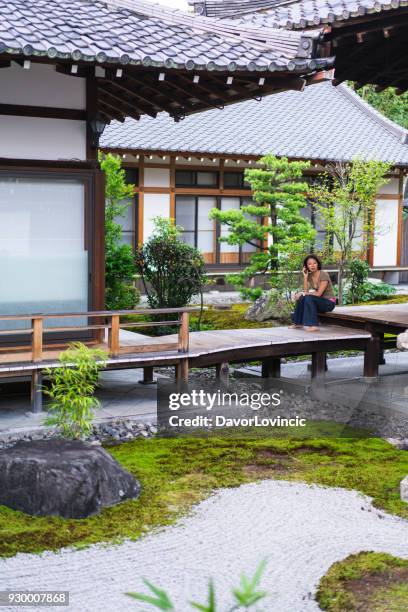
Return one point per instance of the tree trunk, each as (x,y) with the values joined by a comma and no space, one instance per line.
(340,277)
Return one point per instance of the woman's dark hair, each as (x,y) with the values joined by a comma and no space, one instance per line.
(317,260)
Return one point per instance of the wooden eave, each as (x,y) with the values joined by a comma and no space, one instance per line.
(370,49)
(147,91)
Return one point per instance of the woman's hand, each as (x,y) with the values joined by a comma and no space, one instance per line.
(305,273)
(298,295)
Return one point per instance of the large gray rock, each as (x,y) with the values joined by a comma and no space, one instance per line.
(404,489)
(67,478)
(270,305)
(402,341)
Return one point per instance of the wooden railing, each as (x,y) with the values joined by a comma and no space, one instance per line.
(111,323)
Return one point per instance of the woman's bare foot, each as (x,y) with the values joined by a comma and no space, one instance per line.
(295,326)
(313,328)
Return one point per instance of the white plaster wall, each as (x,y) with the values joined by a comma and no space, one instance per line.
(390,188)
(38,138)
(157,177)
(41,85)
(386,222)
(155,205)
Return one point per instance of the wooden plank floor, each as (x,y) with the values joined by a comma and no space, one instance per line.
(395,315)
(240,342)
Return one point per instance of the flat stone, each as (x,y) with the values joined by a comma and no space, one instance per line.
(404,489)
(67,478)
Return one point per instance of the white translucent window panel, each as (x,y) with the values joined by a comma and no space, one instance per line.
(38,138)
(157,177)
(228,204)
(205,205)
(155,205)
(386,221)
(41,85)
(205,241)
(42,255)
(126,221)
(185,212)
(188,238)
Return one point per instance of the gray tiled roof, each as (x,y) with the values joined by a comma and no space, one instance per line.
(322,122)
(138,32)
(292,13)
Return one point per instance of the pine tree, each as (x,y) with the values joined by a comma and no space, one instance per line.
(273,222)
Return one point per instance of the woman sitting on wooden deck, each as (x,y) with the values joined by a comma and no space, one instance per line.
(317,295)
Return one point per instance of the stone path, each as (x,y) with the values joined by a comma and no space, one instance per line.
(300,529)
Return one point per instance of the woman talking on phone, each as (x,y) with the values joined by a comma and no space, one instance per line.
(317,295)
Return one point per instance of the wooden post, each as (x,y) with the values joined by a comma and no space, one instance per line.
(183,332)
(318,365)
(37,338)
(271,367)
(114,336)
(222,371)
(182,370)
(381,358)
(372,356)
(36,391)
(147,376)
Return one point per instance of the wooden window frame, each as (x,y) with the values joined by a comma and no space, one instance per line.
(94,202)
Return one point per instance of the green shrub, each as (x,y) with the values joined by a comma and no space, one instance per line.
(72,390)
(357,274)
(171,270)
(122,296)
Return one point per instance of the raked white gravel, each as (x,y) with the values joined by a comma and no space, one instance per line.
(300,529)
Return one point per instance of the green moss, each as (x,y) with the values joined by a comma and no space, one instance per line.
(367,581)
(176,473)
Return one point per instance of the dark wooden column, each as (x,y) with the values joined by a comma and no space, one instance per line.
(372,353)
(318,365)
(271,367)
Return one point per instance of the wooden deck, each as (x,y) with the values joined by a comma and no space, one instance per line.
(391,318)
(377,320)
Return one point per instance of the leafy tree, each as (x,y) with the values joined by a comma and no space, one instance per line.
(387,102)
(345,197)
(279,195)
(171,270)
(119,262)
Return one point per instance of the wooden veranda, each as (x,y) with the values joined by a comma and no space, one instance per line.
(183,350)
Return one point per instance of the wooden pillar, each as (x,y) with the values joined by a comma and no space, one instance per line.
(381,358)
(182,370)
(318,365)
(222,372)
(271,367)
(37,338)
(36,391)
(372,356)
(114,336)
(183,336)
(147,376)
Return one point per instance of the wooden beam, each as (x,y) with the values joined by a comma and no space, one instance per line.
(110,111)
(123,106)
(173,188)
(140,206)
(152,86)
(151,102)
(20,110)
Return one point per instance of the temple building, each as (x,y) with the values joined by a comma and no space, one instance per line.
(183,170)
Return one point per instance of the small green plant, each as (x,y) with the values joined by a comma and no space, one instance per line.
(357,275)
(72,390)
(245,595)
